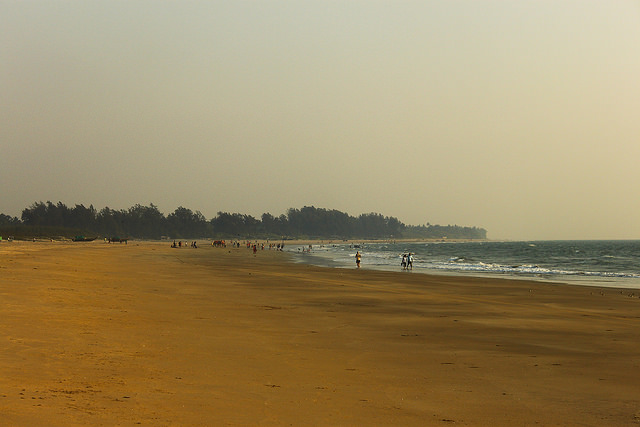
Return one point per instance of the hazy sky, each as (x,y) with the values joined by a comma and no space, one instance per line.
(522,117)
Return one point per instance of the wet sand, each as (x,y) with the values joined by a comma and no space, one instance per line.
(142,334)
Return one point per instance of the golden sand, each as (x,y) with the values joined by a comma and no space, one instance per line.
(97,334)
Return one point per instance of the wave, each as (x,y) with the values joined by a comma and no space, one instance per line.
(524,269)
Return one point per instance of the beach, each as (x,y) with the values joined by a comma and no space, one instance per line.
(144,334)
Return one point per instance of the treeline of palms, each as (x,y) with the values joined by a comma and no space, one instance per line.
(147,222)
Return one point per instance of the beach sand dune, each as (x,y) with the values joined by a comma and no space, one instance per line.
(142,334)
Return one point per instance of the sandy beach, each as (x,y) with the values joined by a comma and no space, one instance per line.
(97,334)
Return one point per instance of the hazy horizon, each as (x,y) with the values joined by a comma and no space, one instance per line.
(519,117)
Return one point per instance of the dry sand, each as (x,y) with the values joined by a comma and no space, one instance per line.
(97,334)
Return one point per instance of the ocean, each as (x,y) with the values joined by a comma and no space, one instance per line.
(614,263)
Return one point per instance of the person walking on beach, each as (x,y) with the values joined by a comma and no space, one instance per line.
(358,258)
(410,261)
(404,261)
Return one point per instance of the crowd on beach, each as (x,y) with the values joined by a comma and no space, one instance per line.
(248,244)
(406,263)
(235,244)
(180,244)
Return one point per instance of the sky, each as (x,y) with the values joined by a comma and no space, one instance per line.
(520,117)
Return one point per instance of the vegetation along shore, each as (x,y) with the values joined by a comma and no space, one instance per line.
(147,222)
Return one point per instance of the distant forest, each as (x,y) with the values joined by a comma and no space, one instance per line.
(49,220)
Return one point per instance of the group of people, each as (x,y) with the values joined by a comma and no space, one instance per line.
(279,246)
(249,245)
(407,261)
(181,244)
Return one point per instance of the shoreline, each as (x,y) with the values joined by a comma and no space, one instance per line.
(606,282)
(573,279)
(99,334)
(621,284)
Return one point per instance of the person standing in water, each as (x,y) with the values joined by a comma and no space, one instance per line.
(358,258)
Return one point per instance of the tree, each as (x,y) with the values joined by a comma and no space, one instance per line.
(184,223)
(228,224)
(82,217)
(274,226)
(110,222)
(35,214)
(145,222)
(8,221)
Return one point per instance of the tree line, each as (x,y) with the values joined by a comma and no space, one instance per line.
(147,222)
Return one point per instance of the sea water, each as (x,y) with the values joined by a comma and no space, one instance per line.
(599,263)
